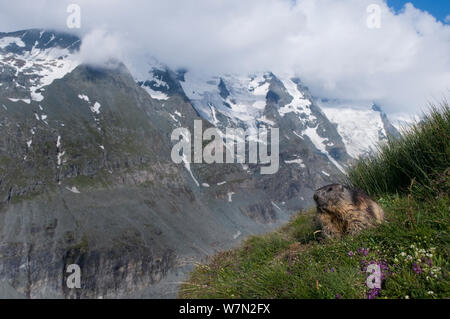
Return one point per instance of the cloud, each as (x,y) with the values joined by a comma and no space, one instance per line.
(328,43)
(447,19)
(99,47)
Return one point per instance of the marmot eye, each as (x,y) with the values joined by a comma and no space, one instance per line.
(330,189)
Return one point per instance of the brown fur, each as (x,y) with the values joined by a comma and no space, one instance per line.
(342,210)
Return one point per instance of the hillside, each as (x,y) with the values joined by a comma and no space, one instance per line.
(411,247)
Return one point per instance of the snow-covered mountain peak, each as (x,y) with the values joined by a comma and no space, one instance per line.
(33,59)
(361,127)
(238,97)
(299,104)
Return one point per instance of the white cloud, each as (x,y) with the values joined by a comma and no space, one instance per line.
(327,43)
(100,46)
(447,19)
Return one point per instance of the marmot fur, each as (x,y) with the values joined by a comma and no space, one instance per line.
(342,210)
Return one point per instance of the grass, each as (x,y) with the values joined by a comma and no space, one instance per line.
(421,154)
(290,263)
(410,179)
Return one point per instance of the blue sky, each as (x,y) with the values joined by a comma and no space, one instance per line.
(438,8)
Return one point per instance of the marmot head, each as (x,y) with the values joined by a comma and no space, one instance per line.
(331,196)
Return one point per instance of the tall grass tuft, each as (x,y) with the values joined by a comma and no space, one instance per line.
(420,156)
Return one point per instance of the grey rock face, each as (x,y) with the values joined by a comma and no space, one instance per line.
(388,127)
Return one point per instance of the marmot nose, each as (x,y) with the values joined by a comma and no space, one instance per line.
(315,197)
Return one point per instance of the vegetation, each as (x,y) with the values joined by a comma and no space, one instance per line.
(422,154)
(410,178)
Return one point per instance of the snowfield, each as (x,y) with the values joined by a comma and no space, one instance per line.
(245,99)
(360,129)
(37,67)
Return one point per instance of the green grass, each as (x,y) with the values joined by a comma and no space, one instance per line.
(421,154)
(293,263)
(290,263)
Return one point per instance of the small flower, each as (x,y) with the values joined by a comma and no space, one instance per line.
(338,296)
(417,269)
(373,293)
(363,251)
(350,253)
(403,254)
(406,297)
(431,292)
(384,265)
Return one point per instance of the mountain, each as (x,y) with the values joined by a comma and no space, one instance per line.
(361,127)
(33,59)
(86,174)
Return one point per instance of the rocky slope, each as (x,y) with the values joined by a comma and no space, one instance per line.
(86,175)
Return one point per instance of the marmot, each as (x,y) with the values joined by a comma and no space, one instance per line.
(342,210)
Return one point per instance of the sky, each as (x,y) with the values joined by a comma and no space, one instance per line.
(396,55)
(440,9)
